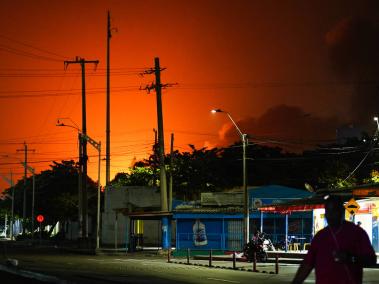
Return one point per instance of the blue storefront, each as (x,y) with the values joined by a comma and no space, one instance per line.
(221,228)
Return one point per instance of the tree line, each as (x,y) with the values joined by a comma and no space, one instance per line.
(203,170)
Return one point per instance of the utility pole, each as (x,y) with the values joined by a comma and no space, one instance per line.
(157,86)
(25,150)
(97,146)
(80,187)
(32,171)
(108,111)
(83,63)
(171,173)
(245,191)
(163,180)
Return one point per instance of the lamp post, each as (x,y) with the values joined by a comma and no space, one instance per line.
(377,123)
(97,146)
(243,137)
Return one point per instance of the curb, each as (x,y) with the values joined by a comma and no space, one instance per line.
(33,275)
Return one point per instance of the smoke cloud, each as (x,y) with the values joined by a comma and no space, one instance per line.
(353,46)
(290,126)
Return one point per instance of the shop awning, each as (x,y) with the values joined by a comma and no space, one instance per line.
(316,201)
(305,204)
(285,209)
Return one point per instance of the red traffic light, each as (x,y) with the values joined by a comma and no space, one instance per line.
(40,218)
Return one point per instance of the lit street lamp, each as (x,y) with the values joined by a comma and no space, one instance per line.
(97,146)
(377,123)
(245,193)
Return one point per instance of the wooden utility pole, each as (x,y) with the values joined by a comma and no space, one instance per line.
(157,86)
(163,180)
(80,187)
(83,63)
(25,150)
(108,110)
(171,173)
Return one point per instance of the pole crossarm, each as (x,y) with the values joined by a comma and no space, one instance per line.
(79,60)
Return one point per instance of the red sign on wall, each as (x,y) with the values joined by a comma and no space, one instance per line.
(40,218)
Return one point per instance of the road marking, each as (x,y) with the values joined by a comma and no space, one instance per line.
(223,280)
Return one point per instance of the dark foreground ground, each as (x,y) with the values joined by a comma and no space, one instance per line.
(55,265)
(8,278)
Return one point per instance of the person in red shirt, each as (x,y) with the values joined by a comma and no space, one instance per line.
(339,251)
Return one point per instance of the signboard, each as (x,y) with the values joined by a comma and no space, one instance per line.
(40,218)
(352,206)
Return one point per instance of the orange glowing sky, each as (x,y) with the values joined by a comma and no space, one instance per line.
(242,56)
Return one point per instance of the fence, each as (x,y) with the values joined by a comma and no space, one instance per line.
(232,261)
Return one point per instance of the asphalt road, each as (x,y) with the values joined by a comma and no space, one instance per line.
(144,268)
(8,278)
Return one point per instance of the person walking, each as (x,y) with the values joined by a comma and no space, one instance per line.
(339,251)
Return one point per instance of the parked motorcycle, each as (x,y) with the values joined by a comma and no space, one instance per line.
(259,245)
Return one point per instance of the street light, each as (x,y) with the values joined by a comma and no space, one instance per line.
(245,193)
(376,119)
(97,146)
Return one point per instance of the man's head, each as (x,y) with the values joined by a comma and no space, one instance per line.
(334,210)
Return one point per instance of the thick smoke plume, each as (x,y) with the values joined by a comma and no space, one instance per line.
(353,46)
(290,127)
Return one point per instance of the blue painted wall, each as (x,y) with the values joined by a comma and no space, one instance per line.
(299,226)
(300,223)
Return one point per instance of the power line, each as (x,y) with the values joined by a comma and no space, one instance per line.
(60,90)
(272,84)
(26,54)
(31,46)
(62,94)
(60,74)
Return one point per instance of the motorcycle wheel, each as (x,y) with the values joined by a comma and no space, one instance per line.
(263,257)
